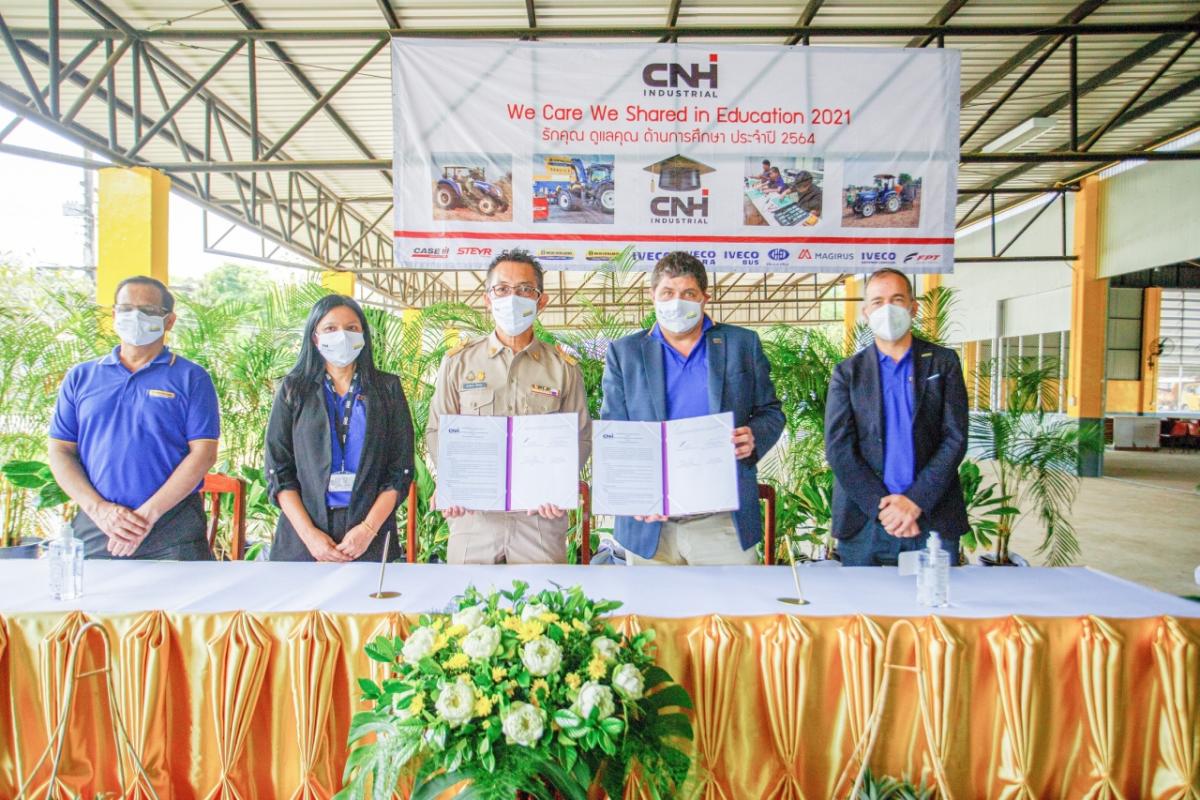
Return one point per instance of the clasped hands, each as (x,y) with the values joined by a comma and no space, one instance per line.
(898,515)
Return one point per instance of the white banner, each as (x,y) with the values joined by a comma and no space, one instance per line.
(755,158)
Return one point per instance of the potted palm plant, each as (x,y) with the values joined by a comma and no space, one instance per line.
(1035,456)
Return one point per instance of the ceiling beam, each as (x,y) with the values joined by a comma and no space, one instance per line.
(940,18)
(806,18)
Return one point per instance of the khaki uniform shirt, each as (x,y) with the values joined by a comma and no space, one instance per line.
(486,378)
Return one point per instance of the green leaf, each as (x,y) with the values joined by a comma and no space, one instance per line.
(655,675)
(567,719)
(674,695)
(430,788)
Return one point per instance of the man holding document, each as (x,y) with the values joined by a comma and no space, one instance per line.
(507,457)
(701,390)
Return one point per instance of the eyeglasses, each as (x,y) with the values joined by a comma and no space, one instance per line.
(523,290)
(150,311)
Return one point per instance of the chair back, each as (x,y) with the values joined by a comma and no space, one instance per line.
(216,485)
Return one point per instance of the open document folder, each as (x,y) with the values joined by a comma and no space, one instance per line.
(508,463)
(674,468)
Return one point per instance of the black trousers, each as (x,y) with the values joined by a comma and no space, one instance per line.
(287,546)
(181,534)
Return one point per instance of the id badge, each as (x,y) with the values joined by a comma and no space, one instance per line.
(341,481)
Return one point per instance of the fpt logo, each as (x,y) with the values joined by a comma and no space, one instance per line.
(677,196)
(474,251)
(663,77)
(878,257)
(922,258)
(778,254)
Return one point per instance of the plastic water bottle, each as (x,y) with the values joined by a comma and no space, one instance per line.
(933,574)
(66,565)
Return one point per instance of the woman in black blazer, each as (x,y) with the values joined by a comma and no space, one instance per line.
(339,444)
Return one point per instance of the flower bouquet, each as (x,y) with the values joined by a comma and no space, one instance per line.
(514,693)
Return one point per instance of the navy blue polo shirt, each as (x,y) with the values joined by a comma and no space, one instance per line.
(133,428)
(898,458)
(686,378)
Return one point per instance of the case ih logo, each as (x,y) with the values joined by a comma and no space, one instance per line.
(474,251)
(922,258)
(670,76)
(431,252)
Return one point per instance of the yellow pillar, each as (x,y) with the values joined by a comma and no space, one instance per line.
(851,288)
(1151,323)
(131,227)
(1089,321)
(338,281)
(932,280)
(970,368)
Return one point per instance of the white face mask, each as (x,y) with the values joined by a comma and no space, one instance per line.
(890,322)
(678,316)
(340,348)
(137,329)
(514,315)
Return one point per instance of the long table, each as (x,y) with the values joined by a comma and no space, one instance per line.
(239,679)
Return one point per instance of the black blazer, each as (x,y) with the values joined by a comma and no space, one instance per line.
(299,457)
(854,440)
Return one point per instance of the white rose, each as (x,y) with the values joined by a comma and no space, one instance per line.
(533,611)
(523,724)
(541,656)
(470,617)
(606,647)
(455,703)
(594,695)
(628,682)
(418,645)
(481,643)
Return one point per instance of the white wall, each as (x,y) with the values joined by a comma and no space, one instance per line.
(1035,297)
(1148,217)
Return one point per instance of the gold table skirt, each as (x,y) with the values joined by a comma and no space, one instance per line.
(242,705)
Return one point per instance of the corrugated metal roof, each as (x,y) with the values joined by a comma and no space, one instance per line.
(365,102)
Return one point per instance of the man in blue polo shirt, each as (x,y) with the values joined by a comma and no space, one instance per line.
(133,435)
(689,366)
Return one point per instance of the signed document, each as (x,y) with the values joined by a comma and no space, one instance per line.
(508,463)
(675,468)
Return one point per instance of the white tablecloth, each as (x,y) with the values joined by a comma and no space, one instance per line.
(118,587)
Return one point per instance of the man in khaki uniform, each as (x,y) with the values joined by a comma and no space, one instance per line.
(510,373)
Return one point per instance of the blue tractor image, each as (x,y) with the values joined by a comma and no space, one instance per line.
(468,187)
(591,184)
(888,194)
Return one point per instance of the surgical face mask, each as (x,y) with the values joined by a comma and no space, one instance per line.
(340,348)
(677,316)
(890,322)
(514,315)
(137,329)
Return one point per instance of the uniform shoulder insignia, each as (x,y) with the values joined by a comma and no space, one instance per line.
(565,356)
(458,348)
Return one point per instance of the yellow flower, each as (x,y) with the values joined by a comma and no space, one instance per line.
(510,690)
(455,631)
(564,627)
(487,723)
(458,661)
(580,625)
(511,623)
(528,631)
(498,674)
(439,643)
(464,678)
(483,706)
(539,685)
(417,705)
(597,667)
(548,617)
(573,680)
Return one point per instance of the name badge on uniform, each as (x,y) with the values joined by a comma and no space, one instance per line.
(543,390)
(341,481)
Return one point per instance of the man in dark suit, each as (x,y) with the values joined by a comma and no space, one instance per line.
(895,433)
(689,366)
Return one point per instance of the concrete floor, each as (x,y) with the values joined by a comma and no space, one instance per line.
(1141,521)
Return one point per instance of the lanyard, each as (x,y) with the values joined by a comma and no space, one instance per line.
(341,420)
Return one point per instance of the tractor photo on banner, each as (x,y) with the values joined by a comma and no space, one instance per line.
(752,158)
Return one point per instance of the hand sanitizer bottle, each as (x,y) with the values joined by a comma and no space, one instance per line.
(66,565)
(933,575)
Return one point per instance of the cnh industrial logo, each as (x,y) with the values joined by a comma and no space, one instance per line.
(672,75)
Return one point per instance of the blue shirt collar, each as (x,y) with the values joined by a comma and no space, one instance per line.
(114,358)
(704,327)
(884,357)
